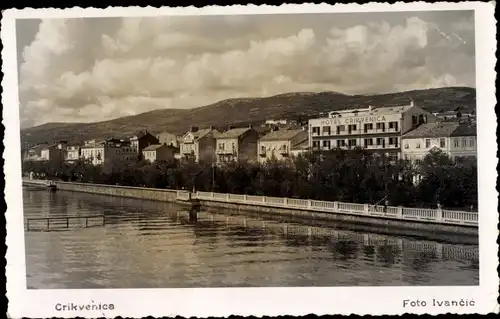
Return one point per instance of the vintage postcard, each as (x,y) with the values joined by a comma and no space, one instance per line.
(250,160)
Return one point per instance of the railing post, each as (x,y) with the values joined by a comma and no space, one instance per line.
(285,202)
(67,222)
(86,222)
(439,214)
(309,204)
(263,199)
(366,208)
(212,194)
(245,198)
(227,197)
(399,212)
(48,223)
(336,206)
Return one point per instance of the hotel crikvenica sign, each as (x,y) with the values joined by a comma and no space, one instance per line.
(353,120)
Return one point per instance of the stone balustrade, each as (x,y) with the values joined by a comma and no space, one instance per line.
(439,216)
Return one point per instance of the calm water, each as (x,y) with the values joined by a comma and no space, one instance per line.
(154,245)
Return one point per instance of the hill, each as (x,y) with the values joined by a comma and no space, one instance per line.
(248,110)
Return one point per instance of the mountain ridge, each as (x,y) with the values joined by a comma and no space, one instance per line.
(247,110)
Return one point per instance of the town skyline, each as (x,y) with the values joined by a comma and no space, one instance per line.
(127,66)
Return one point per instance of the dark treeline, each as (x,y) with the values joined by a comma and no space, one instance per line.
(349,176)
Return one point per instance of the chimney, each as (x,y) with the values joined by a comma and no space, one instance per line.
(250,126)
(369,108)
(230,127)
(193,129)
(211,127)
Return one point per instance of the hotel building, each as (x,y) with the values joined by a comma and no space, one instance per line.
(377,129)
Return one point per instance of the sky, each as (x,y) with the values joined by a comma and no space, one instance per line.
(95,69)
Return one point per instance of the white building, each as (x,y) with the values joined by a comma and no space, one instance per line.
(72,153)
(159,152)
(377,129)
(108,151)
(280,144)
(237,144)
(199,144)
(457,140)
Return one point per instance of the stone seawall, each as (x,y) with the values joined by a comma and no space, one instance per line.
(166,195)
(414,226)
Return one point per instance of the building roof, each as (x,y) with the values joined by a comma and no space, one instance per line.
(201,133)
(442,129)
(281,135)
(233,133)
(152,147)
(465,129)
(372,110)
(302,145)
(39,146)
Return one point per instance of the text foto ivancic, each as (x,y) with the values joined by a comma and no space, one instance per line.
(439,303)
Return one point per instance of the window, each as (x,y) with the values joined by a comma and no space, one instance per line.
(455,143)
(422,119)
(442,142)
(316,144)
(381,126)
(352,143)
(472,142)
(414,120)
(221,146)
(407,146)
(326,130)
(393,125)
(368,127)
(315,130)
(464,143)
(368,142)
(351,127)
(263,149)
(418,145)
(380,141)
(427,143)
(340,143)
(340,128)
(326,144)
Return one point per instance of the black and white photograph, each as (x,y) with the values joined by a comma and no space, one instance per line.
(332,149)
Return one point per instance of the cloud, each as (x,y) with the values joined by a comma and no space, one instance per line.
(97,69)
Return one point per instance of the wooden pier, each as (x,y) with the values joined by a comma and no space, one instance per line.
(64,222)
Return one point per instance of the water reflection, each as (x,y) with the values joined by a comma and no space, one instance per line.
(152,244)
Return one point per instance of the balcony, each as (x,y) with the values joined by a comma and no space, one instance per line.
(223,151)
(283,151)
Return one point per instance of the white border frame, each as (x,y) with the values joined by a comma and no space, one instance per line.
(255,301)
